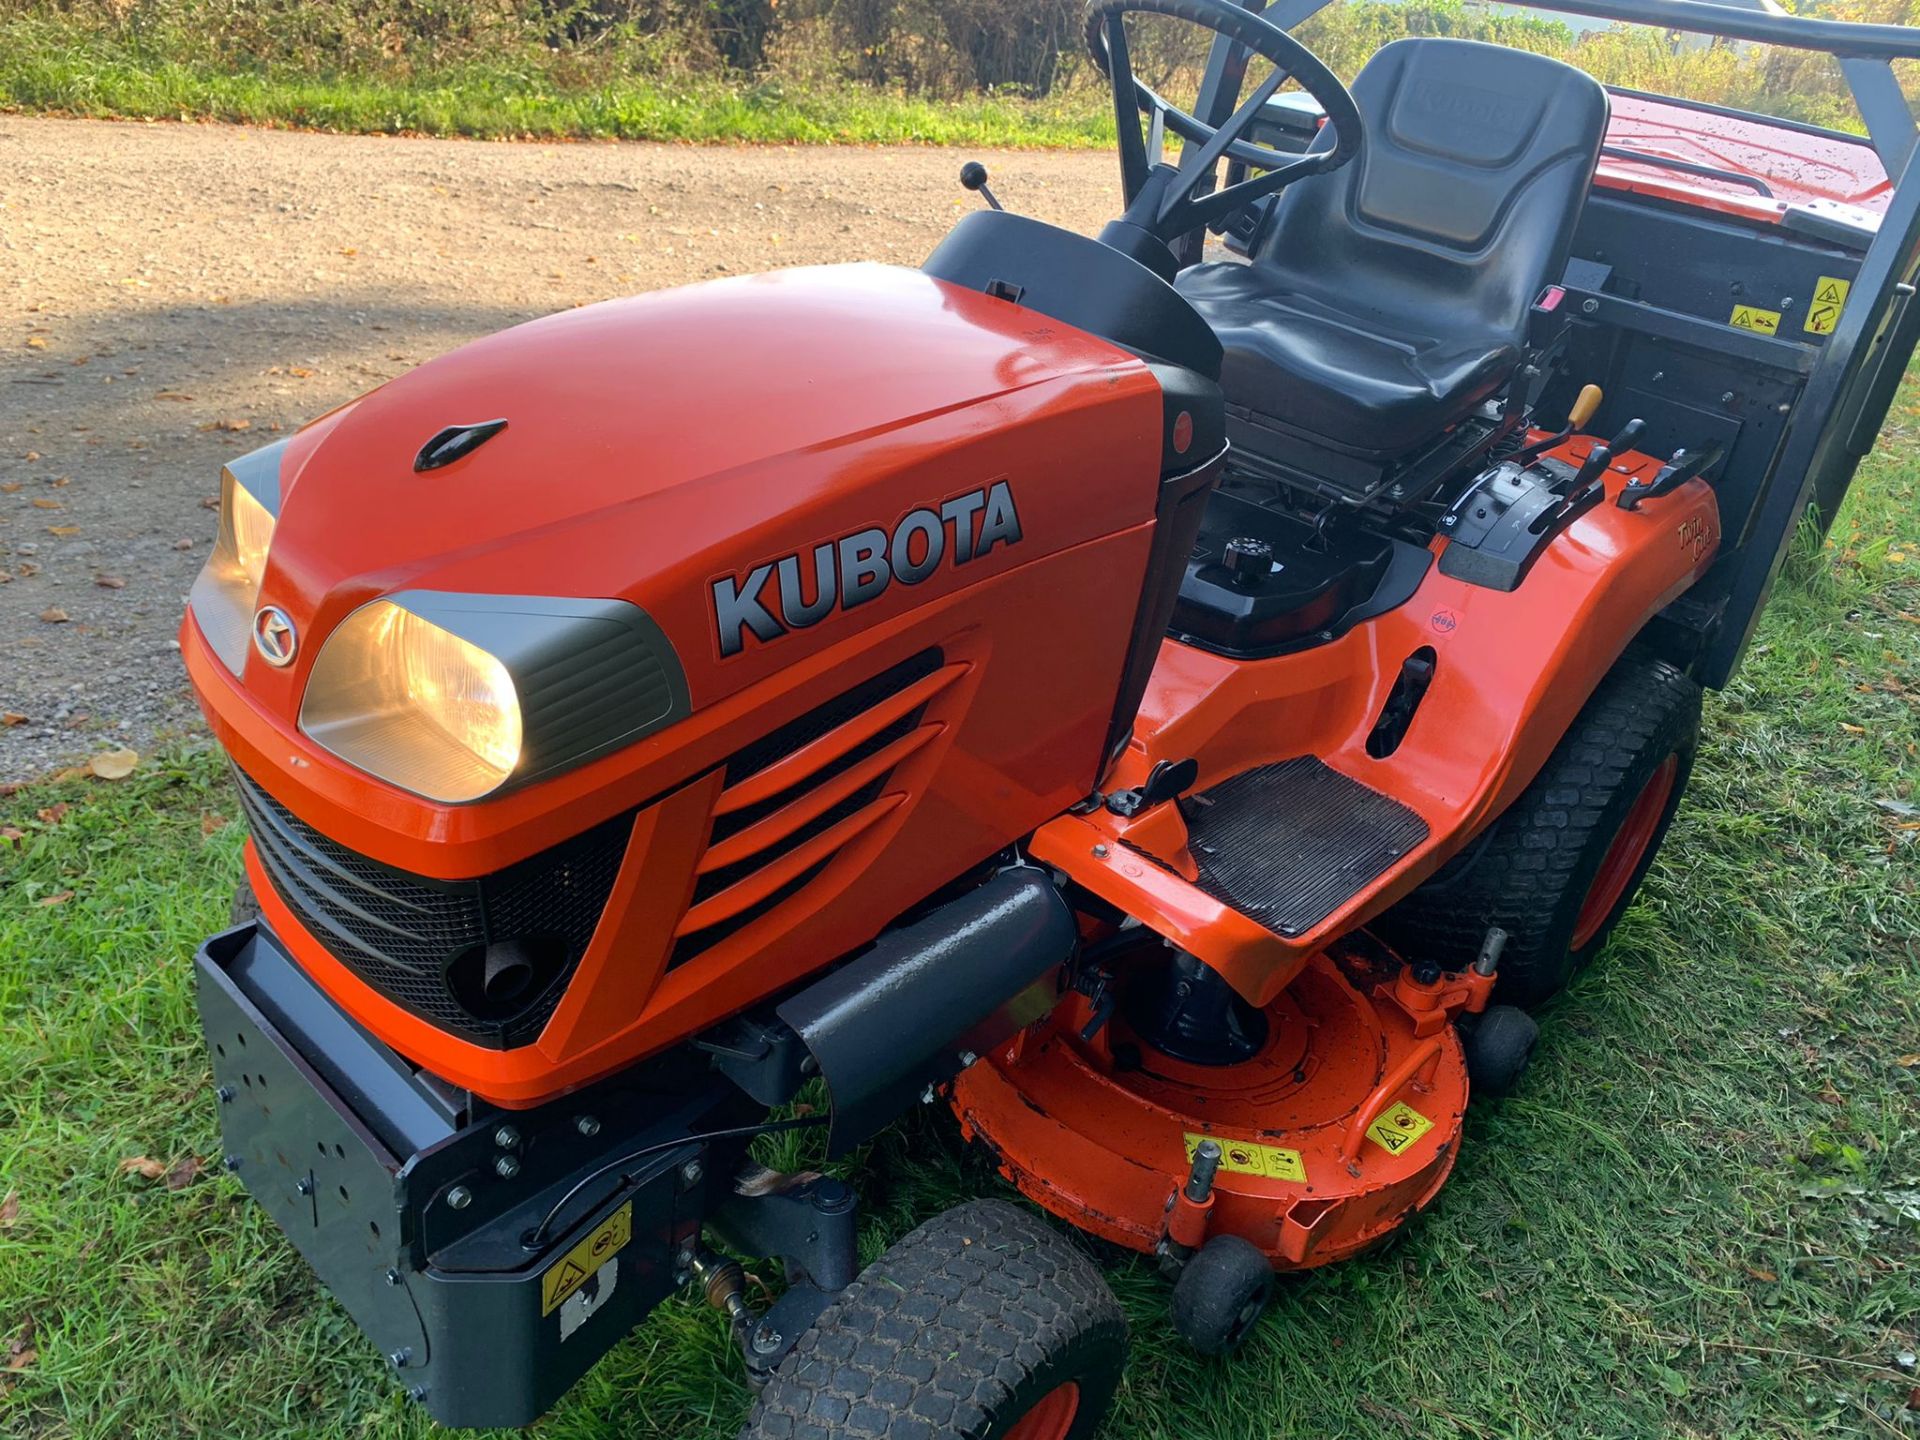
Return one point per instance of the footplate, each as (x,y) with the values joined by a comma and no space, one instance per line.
(1288,844)
(414,1204)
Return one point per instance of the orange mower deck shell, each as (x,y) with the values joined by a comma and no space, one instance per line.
(1343,1125)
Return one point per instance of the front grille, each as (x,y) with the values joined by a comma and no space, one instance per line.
(410,937)
(798,795)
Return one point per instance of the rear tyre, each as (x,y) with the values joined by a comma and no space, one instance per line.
(983,1322)
(1221,1295)
(1558,869)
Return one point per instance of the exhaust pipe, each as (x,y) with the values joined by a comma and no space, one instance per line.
(917,1007)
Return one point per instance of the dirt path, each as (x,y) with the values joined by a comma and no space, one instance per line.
(175,294)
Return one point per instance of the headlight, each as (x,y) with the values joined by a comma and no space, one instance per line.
(450,696)
(224,593)
(402,698)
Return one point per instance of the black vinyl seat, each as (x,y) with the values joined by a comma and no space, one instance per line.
(1390,298)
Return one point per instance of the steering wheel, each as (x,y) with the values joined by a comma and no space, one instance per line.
(1164,196)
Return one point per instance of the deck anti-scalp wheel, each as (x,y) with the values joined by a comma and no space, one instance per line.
(984,1322)
(1221,1295)
(1558,869)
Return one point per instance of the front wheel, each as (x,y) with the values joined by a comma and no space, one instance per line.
(1560,867)
(984,1322)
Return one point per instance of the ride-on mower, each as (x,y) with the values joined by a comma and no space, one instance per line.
(1177,714)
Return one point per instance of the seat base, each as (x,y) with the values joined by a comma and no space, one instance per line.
(1269,451)
(1346,377)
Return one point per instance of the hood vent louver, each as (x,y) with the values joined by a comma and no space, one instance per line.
(799,796)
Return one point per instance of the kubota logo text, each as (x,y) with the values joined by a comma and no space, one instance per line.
(794,592)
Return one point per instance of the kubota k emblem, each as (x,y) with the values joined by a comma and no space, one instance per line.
(859,567)
(274,636)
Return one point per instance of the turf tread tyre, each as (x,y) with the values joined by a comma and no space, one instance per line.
(952,1334)
(1537,862)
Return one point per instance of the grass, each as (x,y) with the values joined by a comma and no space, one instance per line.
(1699,1218)
(49,68)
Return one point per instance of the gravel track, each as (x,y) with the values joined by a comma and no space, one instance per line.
(175,294)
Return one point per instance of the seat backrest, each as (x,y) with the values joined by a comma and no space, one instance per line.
(1462,202)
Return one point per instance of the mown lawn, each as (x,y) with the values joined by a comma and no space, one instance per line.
(1700,1217)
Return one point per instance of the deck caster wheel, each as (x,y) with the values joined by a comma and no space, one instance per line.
(1498,1044)
(1221,1295)
(983,1322)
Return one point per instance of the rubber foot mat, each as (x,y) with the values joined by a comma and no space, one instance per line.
(1288,844)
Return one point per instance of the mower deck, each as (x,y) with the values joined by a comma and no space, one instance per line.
(1344,1123)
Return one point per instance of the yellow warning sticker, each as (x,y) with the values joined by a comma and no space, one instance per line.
(1398,1127)
(570,1272)
(1250,1157)
(1829,299)
(1752,317)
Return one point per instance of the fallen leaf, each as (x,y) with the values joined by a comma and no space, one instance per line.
(53,814)
(43,502)
(36,342)
(113,764)
(9,1210)
(110,582)
(233,425)
(10,487)
(54,615)
(141,1165)
(19,1357)
(1766,1276)
(12,836)
(31,455)
(185,1172)
(59,897)
(12,717)
(63,531)
(1853,729)
(299,372)
(212,821)
(1908,1062)
(27,569)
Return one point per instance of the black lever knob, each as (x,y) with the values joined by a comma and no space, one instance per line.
(973,176)
(1248,559)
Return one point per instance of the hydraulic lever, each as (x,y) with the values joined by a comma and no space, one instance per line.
(1682,467)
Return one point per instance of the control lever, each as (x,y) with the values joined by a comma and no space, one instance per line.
(1682,467)
(973,176)
(1629,433)
(1168,780)
(1584,404)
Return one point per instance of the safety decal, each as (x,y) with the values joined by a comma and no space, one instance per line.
(584,1304)
(1829,299)
(570,1272)
(1752,317)
(1398,1127)
(1250,1157)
